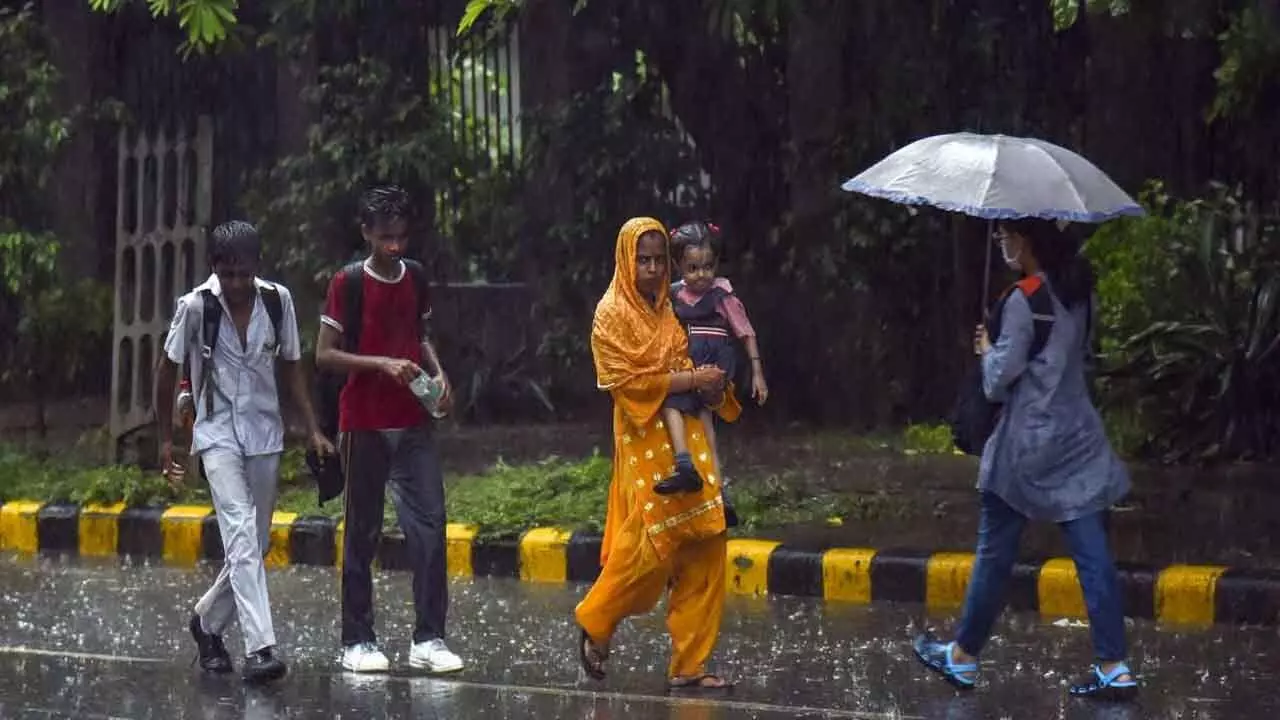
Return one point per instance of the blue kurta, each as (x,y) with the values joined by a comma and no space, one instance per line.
(1049,457)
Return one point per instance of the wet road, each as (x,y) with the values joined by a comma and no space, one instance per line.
(84,640)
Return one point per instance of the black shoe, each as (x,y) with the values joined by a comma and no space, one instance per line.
(213,654)
(263,667)
(682,480)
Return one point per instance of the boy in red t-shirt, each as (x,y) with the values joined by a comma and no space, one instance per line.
(386,435)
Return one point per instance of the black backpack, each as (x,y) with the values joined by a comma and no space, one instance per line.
(974,417)
(329,384)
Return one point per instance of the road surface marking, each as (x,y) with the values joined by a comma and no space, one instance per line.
(24,650)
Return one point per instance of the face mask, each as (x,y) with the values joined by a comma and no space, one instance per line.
(1012,262)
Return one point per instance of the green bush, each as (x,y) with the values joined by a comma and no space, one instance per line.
(1192,365)
(1135,262)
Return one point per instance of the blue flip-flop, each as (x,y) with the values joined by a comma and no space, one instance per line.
(1107,686)
(937,657)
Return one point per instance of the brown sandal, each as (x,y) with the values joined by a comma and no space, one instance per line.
(591,657)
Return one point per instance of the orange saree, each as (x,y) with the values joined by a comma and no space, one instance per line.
(652,542)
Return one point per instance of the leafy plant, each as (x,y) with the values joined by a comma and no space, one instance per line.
(928,440)
(501,10)
(509,499)
(1206,378)
(206,22)
(1134,259)
(117,483)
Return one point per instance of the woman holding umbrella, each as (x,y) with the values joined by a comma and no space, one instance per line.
(1047,457)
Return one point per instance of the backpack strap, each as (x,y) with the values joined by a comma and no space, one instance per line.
(210,322)
(421,290)
(352,305)
(1042,315)
(275,309)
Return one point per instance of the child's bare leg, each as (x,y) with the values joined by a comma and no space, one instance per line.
(675,428)
(709,424)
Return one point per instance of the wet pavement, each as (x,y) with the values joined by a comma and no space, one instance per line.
(86,640)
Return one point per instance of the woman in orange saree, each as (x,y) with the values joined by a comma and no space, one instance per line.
(653,542)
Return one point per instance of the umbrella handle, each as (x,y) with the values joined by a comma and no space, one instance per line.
(986,273)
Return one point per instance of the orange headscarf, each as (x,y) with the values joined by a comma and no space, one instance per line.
(631,337)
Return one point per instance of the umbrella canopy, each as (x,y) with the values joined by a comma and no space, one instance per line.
(997,177)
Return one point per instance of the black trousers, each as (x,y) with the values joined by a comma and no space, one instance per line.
(408,459)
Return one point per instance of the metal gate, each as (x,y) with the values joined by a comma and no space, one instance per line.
(163,204)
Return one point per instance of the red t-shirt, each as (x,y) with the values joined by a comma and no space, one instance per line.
(390,326)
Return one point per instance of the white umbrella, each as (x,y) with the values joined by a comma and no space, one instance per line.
(997,177)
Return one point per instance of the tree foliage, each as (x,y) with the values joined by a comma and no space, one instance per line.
(206,22)
(29,145)
(213,25)
(1250,63)
(49,323)
(372,127)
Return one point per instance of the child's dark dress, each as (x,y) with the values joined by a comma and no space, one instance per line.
(715,321)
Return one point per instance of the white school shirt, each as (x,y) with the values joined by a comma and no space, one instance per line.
(246,401)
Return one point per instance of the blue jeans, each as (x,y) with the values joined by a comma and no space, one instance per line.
(999,531)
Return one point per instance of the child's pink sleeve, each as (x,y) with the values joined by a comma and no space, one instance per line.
(732,310)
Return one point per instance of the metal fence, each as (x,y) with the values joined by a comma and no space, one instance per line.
(477,82)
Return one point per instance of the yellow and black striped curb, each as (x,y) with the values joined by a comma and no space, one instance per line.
(182,535)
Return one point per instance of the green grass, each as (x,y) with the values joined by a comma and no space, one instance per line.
(785,500)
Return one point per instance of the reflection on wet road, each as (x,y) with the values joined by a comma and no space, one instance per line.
(101,641)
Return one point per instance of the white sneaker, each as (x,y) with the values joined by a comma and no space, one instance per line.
(365,658)
(434,656)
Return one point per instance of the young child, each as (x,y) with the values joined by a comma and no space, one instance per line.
(713,317)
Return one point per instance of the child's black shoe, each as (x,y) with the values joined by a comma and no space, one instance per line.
(684,479)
